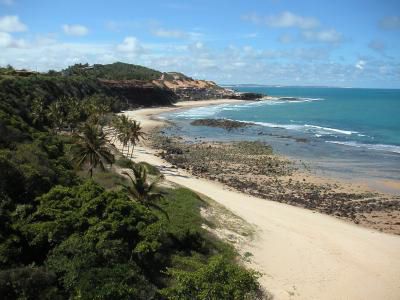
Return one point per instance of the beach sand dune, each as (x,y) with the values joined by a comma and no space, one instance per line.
(303,254)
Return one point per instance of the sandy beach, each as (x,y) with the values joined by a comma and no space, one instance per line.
(303,254)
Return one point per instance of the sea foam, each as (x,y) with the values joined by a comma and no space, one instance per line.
(378,147)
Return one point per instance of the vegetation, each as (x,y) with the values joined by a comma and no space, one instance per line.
(141,190)
(115,71)
(92,148)
(127,132)
(65,236)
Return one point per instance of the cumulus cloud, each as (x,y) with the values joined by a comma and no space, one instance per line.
(130,45)
(323,36)
(285,19)
(232,64)
(7,41)
(360,64)
(11,24)
(75,30)
(390,22)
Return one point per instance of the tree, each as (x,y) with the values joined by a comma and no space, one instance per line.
(219,279)
(38,111)
(128,132)
(141,190)
(91,148)
(56,115)
(135,133)
(73,111)
(93,241)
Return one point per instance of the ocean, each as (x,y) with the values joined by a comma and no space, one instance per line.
(354,133)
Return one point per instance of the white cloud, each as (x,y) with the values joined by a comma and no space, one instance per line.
(390,22)
(165,33)
(75,30)
(360,64)
(7,41)
(323,36)
(285,19)
(11,24)
(130,44)
(311,65)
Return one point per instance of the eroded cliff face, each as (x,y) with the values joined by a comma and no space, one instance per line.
(141,93)
(170,88)
(187,88)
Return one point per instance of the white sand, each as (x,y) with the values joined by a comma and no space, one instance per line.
(303,254)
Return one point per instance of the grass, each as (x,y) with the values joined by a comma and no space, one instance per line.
(108,180)
(186,232)
(127,163)
(124,162)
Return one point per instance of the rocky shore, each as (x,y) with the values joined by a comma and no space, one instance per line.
(221,123)
(252,168)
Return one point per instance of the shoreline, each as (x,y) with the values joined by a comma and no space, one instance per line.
(303,254)
(150,120)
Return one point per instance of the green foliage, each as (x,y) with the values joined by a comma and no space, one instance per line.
(128,132)
(115,71)
(141,190)
(32,168)
(218,279)
(128,163)
(151,170)
(107,179)
(124,162)
(90,233)
(91,148)
(29,283)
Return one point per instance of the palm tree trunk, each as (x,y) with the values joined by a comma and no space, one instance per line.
(132,151)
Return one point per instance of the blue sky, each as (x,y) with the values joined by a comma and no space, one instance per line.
(288,42)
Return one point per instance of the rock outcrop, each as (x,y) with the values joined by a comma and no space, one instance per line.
(187,88)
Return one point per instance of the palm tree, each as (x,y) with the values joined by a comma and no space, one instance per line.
(128,132)
(38,111)
(141,190)
(56,115)
(92,148)
(74,112)
(135,134)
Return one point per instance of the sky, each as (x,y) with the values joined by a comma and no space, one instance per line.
(351,43)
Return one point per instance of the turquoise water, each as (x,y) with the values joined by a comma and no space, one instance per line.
(350,131)
(365,116)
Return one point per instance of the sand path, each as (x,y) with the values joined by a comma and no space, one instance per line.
(303,254)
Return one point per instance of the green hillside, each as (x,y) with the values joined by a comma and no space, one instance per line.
(115,71)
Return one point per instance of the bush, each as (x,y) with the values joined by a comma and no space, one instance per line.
(218,279)
(29,283)
(124,162)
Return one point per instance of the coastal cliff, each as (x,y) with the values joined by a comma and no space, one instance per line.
(134,85)
(189,89)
